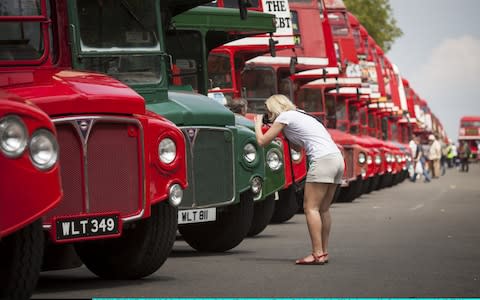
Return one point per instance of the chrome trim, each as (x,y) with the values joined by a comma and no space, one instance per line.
(84,138)
(191,184)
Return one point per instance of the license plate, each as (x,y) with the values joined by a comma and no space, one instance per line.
(87,227)
(197,215)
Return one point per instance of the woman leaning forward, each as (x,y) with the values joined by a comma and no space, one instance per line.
(325,170)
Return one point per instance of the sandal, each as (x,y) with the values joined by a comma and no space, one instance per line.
(326,257)
(316,260)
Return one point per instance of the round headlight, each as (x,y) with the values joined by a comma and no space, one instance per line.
(274,160)
(378,159)
(387,157)
(362,158)
(167,151)
(296,156)
(399,158)
(249,153)
(369,159)
(43,149)
(175,195)
(256,185)
(278,141)
(13,136)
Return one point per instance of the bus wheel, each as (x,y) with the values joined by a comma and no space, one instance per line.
(226,232)
(286,206)
(21,254)
(262,214)
(140,251)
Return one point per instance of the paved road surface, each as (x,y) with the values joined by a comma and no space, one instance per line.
(411,240)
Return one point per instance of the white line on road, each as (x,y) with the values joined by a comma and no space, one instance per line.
(417,207)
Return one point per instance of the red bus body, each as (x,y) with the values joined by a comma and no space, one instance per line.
(108,142)
(27,192)
(240,51)
(470,132)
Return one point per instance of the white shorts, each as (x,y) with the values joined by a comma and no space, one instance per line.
(326,169)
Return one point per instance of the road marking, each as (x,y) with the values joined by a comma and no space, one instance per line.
(442,210)
(453,187)
(417,207)
(375,207)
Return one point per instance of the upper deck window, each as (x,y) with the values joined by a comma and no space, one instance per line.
(357,38)
(310,100)
(121,39)
(234,3)
(219,71)
(301,1)
(111,25)
(259,84)
(21,8)
(338,23)
(21,38)
(470,124)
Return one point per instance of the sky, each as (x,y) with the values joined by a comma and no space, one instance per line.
(439,54)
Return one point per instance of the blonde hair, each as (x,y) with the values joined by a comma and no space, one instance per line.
(277,104)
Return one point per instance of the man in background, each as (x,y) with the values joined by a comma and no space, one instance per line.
(434,155)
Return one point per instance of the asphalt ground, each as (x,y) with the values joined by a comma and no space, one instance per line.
(411,240)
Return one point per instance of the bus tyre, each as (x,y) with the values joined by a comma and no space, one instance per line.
(286,206)
(21,254)
(140,251)
(262,214)
(229,230)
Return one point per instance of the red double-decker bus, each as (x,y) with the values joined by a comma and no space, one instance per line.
(470,133)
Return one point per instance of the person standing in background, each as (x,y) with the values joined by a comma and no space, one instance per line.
(464,155)
(434,155)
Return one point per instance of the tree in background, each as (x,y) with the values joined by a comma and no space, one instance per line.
(377,17)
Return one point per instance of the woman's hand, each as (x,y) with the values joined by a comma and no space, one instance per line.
(272,132)
(258,121)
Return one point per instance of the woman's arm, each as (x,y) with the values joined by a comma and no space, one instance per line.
(273,131)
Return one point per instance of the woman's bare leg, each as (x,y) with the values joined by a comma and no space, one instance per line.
(326,217)
(313,196)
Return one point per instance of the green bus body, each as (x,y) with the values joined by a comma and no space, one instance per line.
(209,28)
(225,166)
(217,158)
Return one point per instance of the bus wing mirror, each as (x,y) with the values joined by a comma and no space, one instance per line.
(271,45)
(293,64)
(243,5)
(243,93)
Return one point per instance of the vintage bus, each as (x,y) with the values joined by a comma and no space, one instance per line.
(30,188)
(209,27)
(470,132)
(123,169)
(225,168)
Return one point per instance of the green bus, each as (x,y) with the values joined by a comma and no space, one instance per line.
(126,40)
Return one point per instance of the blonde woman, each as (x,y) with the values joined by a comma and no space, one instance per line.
(325,168)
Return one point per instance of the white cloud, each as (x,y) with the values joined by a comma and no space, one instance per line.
(454,61)
(450,80)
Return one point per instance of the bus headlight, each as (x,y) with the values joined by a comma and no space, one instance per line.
(167,151)
(296,156)
(43,149)
(249,153)
(175,195)
(274,160)
(13,136)
(256,185)
(362,158)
